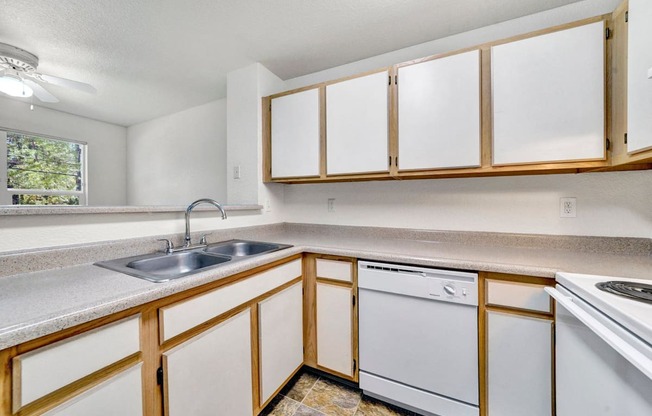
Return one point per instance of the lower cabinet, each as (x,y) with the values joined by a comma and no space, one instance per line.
(519,365)
(229,350)
(121,394)
(518,325)
(332,315)
(280,322)
(210,374)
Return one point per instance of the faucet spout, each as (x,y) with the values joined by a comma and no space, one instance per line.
(191,207)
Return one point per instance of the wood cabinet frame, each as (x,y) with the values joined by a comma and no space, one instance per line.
(310,312)
(616,157)
(323,175)
(483,338)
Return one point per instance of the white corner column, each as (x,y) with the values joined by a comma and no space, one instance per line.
(245,88)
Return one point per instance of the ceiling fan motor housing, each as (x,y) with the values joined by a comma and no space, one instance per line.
(18,59)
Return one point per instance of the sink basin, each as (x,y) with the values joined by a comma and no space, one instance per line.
(176,264)
(161,267)
(241,248)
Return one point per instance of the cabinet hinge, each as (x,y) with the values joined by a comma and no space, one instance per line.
(608,144)
(390,161)
(607,33)
(159,376)
(355,366)
(626,16)
(625,138)
(390,80)
(395,79)
(353,300)
(396,161)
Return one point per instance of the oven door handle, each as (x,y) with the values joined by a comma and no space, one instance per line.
(630,353)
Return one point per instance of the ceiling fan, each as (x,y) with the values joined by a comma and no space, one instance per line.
(18,76)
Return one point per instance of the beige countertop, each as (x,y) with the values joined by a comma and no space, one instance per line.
(42,302)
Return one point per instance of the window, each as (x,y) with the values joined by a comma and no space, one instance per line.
(41,170)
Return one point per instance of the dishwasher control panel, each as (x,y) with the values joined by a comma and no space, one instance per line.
(423,282)
(451,289)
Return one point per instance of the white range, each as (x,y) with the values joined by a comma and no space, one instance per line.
(603,337)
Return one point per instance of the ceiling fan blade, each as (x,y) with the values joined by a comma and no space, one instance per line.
(68,83)
(40,92)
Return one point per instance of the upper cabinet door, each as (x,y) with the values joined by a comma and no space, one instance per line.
(639,73)
(439,113)
(548,97)
(357,126)
(295,135)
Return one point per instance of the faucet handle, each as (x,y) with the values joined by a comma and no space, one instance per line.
(169,247)
(202,240)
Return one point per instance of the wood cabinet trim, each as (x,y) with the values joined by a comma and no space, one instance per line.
(334,282)
(255,359)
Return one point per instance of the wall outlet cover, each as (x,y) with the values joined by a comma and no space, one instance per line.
(568,207)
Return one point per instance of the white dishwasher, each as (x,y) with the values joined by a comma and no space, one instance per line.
(419,337)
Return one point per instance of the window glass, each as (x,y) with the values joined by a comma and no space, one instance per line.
(43,170)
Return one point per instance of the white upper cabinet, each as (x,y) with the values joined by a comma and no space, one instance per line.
(439,113)
(295,135)
(639,76)
(548,97)
(357,125)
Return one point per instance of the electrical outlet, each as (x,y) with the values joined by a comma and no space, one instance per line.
(268,205)
(331,204)
(236,172)
(568,207)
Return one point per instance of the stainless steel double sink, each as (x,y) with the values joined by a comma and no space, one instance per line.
(162,267)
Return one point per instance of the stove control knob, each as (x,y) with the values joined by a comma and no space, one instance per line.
(449,289)
(464,292)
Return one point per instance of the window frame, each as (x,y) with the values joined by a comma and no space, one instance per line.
(6,194)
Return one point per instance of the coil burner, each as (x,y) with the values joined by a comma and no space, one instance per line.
(633,290)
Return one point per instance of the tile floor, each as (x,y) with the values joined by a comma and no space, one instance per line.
(310,395)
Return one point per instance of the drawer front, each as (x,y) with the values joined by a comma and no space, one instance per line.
(42,371)
(335,269)
(525,296)
(180,317)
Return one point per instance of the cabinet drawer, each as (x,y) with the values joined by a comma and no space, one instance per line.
(42,371)
(335,269)
(187,314)
(526,296)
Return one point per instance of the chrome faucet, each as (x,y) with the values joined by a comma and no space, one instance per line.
(189,210)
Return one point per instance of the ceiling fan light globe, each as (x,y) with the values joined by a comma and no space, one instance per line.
(14,87)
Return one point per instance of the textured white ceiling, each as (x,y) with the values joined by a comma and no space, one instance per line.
(149,58)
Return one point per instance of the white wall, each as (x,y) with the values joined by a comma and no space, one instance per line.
(608,204)
(107,177)
(548,18)
(178,158)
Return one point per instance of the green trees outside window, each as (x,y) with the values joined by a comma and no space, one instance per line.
(43,164)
